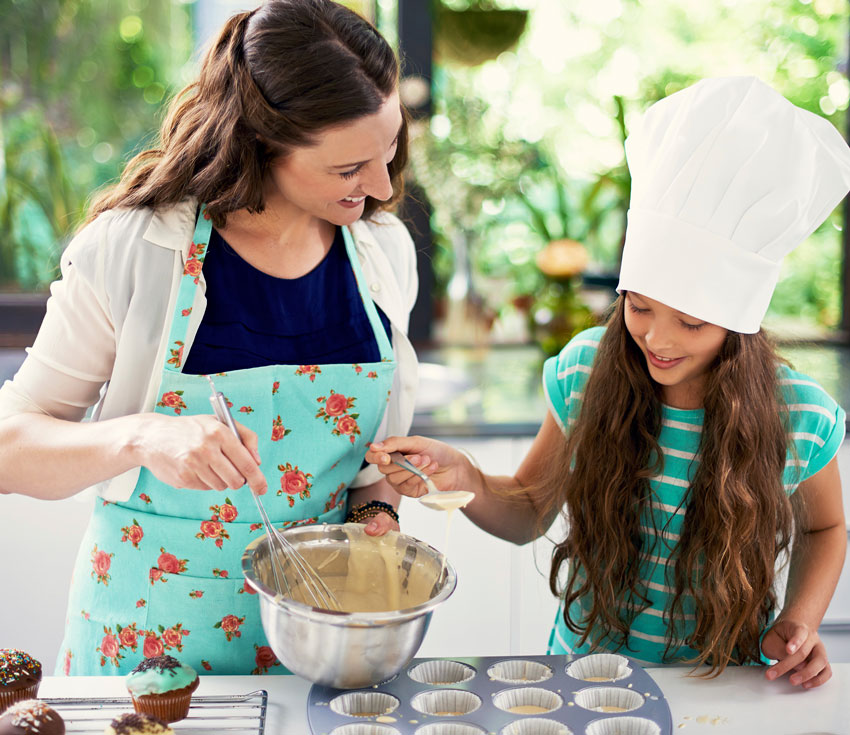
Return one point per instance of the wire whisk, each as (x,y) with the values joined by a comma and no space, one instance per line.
(279,547)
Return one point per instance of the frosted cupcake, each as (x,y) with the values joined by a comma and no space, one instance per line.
(162,686)
(137,723)
(20,676)
(31,717)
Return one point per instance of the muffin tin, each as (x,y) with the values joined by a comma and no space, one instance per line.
(595,694)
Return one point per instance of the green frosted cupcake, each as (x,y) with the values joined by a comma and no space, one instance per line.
(162,686)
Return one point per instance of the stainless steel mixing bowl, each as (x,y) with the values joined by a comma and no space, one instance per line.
(344,650)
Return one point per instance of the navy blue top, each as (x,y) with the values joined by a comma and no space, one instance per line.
(253,319)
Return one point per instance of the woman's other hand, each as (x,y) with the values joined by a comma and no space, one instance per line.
(380,524)
(197,452)
(448,468)
(797,649)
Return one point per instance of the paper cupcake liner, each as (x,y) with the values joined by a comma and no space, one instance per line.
(364,704)
(546,700)
(623,726)
(536,726)
(441,672)
(519,672)
(600,698)
(166,706)
(8,697)
(600,667)
(451,728)
(364,728)
(446,702)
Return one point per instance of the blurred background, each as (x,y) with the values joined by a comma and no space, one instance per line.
(518,191)
(522,107)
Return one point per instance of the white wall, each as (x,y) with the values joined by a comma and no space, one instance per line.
(501,606)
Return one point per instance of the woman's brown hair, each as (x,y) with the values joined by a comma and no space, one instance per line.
(272,80)
(738,517)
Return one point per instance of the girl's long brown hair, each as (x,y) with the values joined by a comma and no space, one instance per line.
(738,517)
(272,80)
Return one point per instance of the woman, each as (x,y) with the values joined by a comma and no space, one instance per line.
(680,447)
(251,244)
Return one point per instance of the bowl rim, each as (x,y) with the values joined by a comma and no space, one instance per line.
(343,619)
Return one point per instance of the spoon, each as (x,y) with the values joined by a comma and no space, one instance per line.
(434,498)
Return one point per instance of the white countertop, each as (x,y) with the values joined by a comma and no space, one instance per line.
(739,702)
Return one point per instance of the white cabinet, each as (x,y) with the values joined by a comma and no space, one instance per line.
(502,604)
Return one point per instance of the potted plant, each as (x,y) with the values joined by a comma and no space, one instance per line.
(476,33)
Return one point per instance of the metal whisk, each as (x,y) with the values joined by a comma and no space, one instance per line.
(279,547)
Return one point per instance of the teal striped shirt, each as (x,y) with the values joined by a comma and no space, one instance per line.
(818,430)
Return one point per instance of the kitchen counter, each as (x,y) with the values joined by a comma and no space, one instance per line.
(497,391)
(739,702)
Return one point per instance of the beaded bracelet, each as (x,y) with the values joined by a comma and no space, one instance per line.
(359,513)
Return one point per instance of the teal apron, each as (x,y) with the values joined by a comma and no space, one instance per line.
(161,572)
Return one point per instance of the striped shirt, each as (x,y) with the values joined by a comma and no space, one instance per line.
(817,425)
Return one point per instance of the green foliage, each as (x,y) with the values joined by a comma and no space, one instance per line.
(560,106)
(81,87)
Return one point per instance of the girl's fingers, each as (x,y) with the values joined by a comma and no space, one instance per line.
(797,639)
(785,665)
(824,676)
(814,664)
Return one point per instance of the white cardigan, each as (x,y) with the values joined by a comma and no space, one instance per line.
(104,337)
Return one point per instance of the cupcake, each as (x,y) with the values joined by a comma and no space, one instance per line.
(137,723)
(31,717)
(162,686)
(20,675)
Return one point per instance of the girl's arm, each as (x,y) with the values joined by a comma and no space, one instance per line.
(49,458)
(503,505)
(816,562)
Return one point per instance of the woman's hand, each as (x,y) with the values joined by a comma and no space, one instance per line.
(197,452)
(798,649)
(380,524)
(448,468)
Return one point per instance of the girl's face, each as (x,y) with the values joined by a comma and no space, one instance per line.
(330,179)
(678,348)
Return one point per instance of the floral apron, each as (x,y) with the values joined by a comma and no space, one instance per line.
(161,572)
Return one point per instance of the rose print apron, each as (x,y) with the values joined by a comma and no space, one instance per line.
(161,572)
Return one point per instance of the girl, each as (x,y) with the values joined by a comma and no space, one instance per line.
(683,451)
(251,244)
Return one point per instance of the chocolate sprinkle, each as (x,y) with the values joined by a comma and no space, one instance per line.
(130,723)
(165,663)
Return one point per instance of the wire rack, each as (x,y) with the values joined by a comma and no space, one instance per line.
(240,714)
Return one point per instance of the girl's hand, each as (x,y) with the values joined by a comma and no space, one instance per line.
(197,452)
(380,524)
(447,467)
(799,649)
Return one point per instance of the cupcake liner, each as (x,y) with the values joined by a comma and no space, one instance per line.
(451,728)
(519,672)
(599,699)
(446,702)
(364,704)
(364,728)
(536,697)
(167,706)
(8,697)
(600,667)
(441,672)
(623,726)
(536,726)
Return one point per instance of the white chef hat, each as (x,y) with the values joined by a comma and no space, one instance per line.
(727,178)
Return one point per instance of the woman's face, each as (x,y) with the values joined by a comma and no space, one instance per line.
(678,348)
(331,178)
